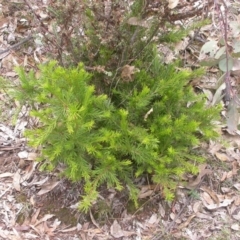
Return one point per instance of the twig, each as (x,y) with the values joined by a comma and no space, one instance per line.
(52,41)
(230,93)
(172,224)
(16,45)
(5,191)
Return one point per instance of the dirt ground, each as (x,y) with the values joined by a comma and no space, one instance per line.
(40,205)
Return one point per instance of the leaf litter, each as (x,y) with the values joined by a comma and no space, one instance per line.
(210,200)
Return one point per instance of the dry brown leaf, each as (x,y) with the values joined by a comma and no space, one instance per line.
(25,61)
(161,210)
(68,230)
(236,214)
(3,22)
(17,235)
(35,229)
(221,197)
(135,21)
(23,154)
(232,117)
(29,171)
(32,156)
(6,174)
(172,3)
(36,57)
(38,183)
(237,186)
(16,180)
(5,54)
(116,230)
(84,229)
(226,190)
(224,203)
(56,223)
(235,227)
(85,226)
(153,219)
(35,216)
(203,216)
(196,206)
(237,200)
(185,224)
(22,228)
(202,172)
(48,187)
(4,234)
(10,74)
(235,166)
(107,7)
(222,156)
(43,219)
(166,53)
(211,193)
(224,176)
(236,217)
(129,234)
(41,228)
(93,220)
(236,67)
(32,200)
(233,152)
(233,208)
(208,94)
(230,174)
(22,164)
(207,198)
(48,230)
(128,72)
(181,45)
(174,217)
(145,193)
(147,190)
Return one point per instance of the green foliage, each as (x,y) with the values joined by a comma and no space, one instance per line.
(106,129)
(176,35)
(112,141)
(178,121)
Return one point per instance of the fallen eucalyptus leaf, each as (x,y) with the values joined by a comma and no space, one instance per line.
(172,3)
(218,94)
(232,117)
(116,230)
(48,187)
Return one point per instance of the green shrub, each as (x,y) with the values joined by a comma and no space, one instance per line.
(109,130)
(112,141)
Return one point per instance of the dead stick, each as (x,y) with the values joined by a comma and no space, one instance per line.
(16,45)
(173,223)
